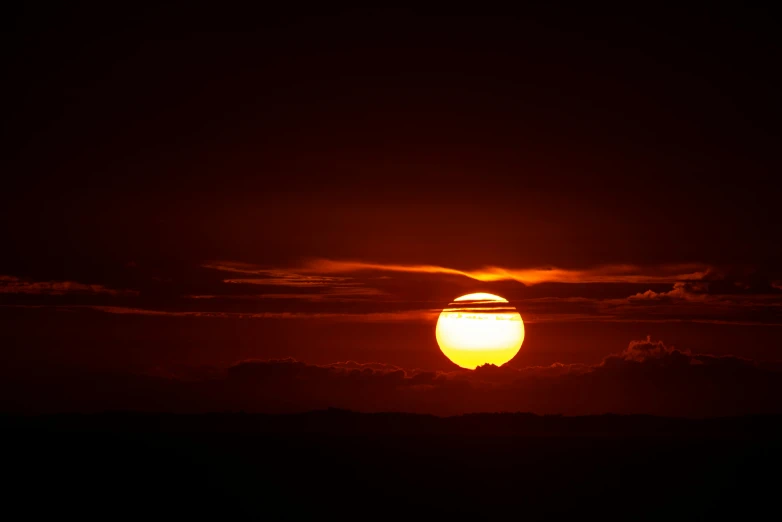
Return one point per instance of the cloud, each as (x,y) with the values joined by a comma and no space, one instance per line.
(428,315)
(354,293)
(15,285)
(684,303)
(694,302)
(531,276)
(367,296)
(291,280)
(649,352)
(316,287)
(338,293)
(353,365)
(681,290)
(273,277)
(322,268)
(646,349)
(693,296)
(403,315)
(647,377)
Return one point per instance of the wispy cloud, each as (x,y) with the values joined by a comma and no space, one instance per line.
(380,317)
(322,268)
(304,286)
(272,276)
(429,315)
(336,294)
(15,285)
(278,278)
(684,303)
(690,297)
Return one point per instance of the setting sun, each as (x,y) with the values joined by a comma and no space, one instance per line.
(480,328)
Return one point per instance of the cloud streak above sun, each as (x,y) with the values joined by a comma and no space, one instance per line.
(320,269)
(363,291)
(669,293)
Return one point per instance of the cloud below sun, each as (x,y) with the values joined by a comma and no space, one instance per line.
(649,377)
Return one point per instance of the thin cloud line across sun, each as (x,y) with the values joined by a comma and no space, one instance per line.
(426,315)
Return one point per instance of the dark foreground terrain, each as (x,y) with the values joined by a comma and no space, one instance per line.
(341,465)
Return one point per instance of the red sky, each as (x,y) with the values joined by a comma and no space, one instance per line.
(320,189)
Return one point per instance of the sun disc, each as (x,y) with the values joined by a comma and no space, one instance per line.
(478,329)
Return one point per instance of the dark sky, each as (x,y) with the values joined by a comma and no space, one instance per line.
(319,188)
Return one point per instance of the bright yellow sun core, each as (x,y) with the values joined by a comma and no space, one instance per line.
(477,329)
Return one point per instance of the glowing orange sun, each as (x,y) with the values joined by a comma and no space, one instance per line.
(478,329)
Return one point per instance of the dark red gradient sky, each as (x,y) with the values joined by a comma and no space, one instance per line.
(321,187)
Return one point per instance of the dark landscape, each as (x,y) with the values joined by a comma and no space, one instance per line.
(340,465)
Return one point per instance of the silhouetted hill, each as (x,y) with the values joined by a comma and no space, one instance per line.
(341,465)
(345,422)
